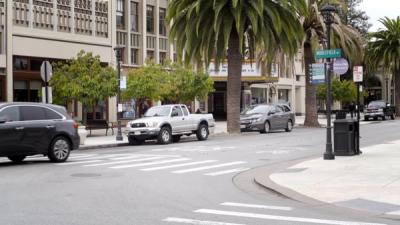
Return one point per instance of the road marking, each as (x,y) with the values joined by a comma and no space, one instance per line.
(178,165)
(208,167)
(197,222)
(150,163)
(281,218)
(226,172)
(284,208)
(79,162)
(125,161)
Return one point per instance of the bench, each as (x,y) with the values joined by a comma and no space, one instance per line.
(97,125)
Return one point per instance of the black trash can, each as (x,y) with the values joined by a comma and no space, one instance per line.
(341,114)
(345,132)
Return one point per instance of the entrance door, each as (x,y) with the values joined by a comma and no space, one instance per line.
(219,105)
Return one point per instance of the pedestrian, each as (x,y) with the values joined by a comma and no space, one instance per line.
(352,109)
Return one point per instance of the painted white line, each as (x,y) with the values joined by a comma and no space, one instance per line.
(131,157)
(150,163)
(79,162)
(178,165)
(226,172)
(208,167)
(281,218)
(284,208)
(197,222)
(74,156)
(125,161)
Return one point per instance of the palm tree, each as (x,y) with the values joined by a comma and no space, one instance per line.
(343,36)
(384,50)
(207,30)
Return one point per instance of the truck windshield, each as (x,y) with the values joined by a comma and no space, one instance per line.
(377,104)
(158,111)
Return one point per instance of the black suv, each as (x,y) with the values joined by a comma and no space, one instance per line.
(36,128)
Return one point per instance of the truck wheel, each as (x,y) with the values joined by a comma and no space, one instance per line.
(176,138)
(134,141)
(202,132)
(165,136)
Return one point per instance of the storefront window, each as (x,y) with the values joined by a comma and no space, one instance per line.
(128,110)
(20,63)
(283,95)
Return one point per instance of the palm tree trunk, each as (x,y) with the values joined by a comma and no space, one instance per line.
(234,83)
(311,119)
(396,76)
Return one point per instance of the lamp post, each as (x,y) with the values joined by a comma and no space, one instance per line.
(327,12)
(118,54)
(387,88)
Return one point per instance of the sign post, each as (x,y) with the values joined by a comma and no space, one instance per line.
(46,72)
(358,78)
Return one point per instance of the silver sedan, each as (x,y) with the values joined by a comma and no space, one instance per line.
(264,118)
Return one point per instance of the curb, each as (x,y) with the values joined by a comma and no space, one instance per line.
(102,146)
(263,180)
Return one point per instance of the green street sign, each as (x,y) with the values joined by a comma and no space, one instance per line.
(329,53)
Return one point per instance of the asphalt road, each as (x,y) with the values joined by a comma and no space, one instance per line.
(190,182)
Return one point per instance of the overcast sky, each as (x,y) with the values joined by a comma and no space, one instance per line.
(377,9)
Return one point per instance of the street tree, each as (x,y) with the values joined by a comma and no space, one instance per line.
(344,91)
(384,51)
(219,30)
(353,16)
(83,79)
(342,36)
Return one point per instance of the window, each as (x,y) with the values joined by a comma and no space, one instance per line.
(176,111)
(150,55)
(185,111)
(298,77)
(36,64)
(32,113)
(162,27)
(163,57)
(120,14)
(51,115)
(134,16)
(10,114)
(150,19)
(20,63)
(134,56)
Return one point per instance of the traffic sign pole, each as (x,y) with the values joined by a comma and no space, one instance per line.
(46,83)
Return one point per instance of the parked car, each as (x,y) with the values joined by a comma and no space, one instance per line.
(35,128)
(379,109)
(167,123)
(267,117)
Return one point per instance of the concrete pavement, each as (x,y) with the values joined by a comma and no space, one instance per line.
(368,182)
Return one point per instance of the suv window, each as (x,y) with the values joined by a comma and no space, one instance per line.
(32,113)
(177,110)
(185,111)
(10,114)
(51,115)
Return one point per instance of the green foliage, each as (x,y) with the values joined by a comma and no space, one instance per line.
(356,18)
(169,82)
(83,79)
(343,91)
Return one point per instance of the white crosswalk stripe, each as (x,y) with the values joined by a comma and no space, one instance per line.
(150,163)
(226,172)
(125,161)
(178,165)
(208,167)
(237,215)
(197,222)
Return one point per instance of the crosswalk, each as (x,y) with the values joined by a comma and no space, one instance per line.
(230,213)
(174,164)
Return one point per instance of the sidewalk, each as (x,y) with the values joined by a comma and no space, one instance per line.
(368,182)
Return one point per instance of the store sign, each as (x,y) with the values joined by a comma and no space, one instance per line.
(248,70)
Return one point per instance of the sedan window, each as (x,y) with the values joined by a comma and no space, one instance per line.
(258,109)
(10,114)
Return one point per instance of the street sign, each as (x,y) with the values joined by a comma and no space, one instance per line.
(329,53)
(46,71)
(317,73)
(340,66)
(358,74)
(123,83)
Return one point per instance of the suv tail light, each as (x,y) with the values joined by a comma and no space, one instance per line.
(76,125)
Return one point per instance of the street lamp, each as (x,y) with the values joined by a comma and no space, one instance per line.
(327,12)
(118,54)
(387,88)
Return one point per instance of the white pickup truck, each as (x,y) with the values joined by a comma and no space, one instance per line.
(167,123)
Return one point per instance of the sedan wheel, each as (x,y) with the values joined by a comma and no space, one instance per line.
(289,126)
(59,149)
(267,128)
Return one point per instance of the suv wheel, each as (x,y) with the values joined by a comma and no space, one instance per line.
(202,132)
(59,149)
(17,159)
(165,136)
(134,141)
(289,126)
